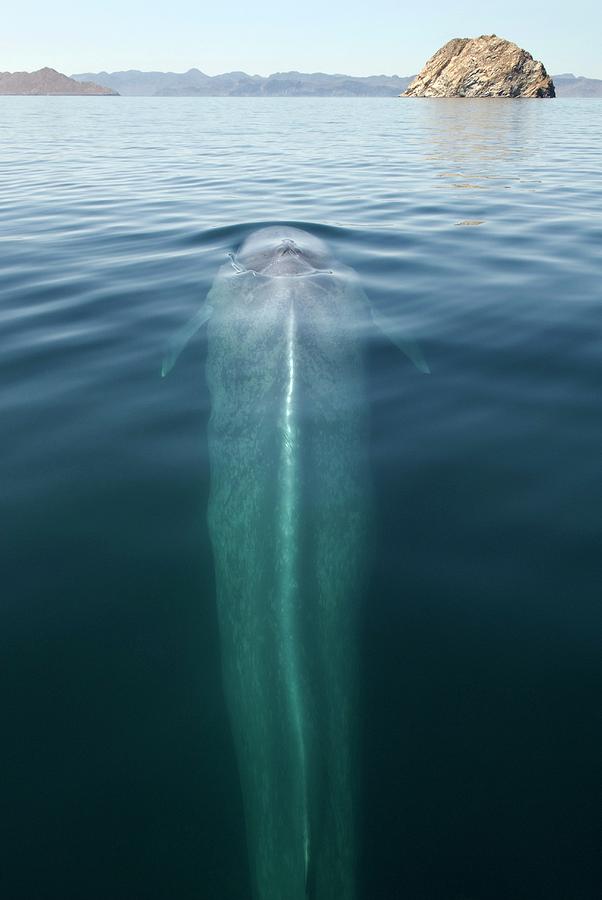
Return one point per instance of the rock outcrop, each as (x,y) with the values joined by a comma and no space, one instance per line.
(47,81)
(487,66)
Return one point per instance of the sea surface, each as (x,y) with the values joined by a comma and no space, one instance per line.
(474,226)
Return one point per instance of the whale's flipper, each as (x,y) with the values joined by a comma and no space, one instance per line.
(407,346)
(412,350)
(390,330)
(182,336)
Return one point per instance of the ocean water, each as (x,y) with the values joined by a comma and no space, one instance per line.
(476,227)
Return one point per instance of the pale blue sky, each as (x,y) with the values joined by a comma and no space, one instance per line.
(263,36)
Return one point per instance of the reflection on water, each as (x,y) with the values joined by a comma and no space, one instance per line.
(481,672)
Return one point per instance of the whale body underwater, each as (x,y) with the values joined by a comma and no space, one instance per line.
(289,522)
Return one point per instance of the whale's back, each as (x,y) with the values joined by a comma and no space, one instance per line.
(287,517)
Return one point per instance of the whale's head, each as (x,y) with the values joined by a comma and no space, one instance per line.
(282,251)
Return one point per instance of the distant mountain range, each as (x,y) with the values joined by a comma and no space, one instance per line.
(569,85)
(238,84)
(48,81)
(195,83)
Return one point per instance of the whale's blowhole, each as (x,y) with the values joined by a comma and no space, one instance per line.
(282,251)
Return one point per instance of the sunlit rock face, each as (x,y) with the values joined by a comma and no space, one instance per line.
(486,66)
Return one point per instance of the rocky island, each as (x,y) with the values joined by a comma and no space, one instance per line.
(486,66)
(48,81)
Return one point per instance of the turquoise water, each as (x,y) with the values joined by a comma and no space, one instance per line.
(481,670)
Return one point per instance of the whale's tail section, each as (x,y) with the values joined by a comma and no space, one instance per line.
(309,880)
(287,575)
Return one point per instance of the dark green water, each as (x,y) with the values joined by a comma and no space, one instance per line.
(481,665)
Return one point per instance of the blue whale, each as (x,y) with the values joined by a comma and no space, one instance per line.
(289,514)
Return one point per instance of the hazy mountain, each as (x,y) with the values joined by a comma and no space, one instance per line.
(318,84)
(195,83)
(569,85)
(47,81)
(226,85)
(145,84)
(238,84)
